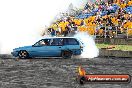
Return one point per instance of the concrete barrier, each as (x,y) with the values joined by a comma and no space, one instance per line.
(115,41)
(115,53)
(7,56)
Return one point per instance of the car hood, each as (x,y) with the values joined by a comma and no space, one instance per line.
(22,48)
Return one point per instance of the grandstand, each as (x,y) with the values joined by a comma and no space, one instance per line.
(105,19)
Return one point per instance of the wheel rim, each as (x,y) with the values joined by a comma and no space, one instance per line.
(22,54)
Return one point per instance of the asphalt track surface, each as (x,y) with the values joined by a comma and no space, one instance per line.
(60,73)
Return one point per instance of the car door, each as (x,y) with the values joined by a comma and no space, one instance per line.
(41,48)
(56,46)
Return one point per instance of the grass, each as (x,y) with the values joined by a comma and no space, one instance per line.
(117,47)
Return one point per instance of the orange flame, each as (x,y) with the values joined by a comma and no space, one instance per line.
(81,71)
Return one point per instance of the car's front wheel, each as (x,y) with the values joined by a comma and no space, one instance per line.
(66,54)
(23,54)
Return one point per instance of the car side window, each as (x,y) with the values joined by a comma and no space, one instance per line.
(57,42)
(43,42)
(70,41)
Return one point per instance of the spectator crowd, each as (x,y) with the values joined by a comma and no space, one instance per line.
(103,19)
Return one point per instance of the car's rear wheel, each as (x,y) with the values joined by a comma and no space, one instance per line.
(66,54)
(23,54)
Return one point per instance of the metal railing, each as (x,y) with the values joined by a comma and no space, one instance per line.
(113,29)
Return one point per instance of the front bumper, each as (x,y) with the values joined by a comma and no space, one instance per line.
(14,53)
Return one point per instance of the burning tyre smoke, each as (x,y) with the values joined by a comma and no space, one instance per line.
(21,20)
(90,50)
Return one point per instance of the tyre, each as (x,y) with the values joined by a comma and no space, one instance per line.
(66,54)
(23,54)
(82,80)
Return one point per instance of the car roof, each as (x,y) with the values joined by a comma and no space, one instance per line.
(57,37)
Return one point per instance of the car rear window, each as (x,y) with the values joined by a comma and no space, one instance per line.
(70,41)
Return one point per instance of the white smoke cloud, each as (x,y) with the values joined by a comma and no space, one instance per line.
(90,50)
(21,20)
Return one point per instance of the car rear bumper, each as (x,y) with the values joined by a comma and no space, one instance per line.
(77,52)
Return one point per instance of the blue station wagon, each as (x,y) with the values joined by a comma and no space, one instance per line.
(64,47)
